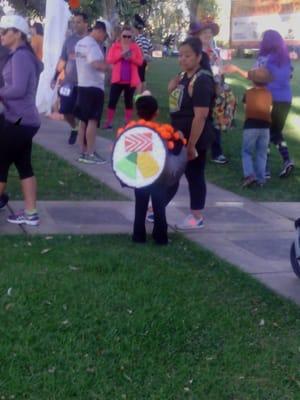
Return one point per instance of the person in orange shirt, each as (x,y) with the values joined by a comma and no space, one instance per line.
(256,133)
(37,39)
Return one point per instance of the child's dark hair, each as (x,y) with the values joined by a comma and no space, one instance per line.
(196,45)
(146,107)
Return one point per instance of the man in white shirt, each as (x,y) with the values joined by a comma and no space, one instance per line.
(91,66)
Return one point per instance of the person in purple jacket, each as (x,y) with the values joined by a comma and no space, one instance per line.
(20,120)
(274,65)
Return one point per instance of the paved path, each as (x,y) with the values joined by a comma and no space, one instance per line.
(254,236)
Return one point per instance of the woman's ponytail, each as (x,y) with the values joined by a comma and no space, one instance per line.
(205,63)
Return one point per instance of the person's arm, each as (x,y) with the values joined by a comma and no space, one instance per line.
(260,74)
(96,58)
(61,64)
(173,84)
(136,55)
(203,93)
(99,65)
(232,69)
(114,54)
(21,71)
(200,115)
(148,56)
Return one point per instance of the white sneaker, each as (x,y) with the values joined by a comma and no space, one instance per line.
(150,217)
(190,223)
(94,159)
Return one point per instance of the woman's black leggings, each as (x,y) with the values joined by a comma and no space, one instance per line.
(161,195)
(15,148)
(195,175)
(279,115)
(115,91)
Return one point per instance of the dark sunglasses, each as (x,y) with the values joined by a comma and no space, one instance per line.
(126,36)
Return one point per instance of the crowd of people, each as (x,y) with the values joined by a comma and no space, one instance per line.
(201,106)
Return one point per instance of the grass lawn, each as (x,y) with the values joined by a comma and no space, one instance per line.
(229,176)
(84,318)
(58,180)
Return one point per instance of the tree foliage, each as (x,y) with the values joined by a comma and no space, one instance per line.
(207,8)
(93,8)
(164,13)
(29,7)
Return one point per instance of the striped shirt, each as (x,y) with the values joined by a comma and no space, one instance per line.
(144,44)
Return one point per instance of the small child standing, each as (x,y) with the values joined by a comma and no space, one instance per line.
(256,134)
(160,192)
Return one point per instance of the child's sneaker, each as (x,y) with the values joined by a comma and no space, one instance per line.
(268,174)
(3,200)
(248,181)
(190,223)
(22,217)
(73,137)
(221,159)
(150,217)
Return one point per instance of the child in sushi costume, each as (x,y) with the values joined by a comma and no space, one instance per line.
(160,192)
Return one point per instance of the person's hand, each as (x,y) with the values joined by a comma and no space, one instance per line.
(191,152)
(53,84)
(173,83)
(229,69)
(126,53)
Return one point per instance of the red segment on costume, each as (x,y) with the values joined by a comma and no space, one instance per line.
(139,142)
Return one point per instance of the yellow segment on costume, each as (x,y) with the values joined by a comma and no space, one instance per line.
(147,165)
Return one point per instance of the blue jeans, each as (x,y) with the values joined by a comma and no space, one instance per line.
(255,141)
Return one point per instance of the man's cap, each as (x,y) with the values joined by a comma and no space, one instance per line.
(104,25)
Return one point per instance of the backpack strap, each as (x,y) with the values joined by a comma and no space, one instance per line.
(196,76)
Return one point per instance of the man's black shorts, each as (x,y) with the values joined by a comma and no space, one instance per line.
(89,106)
(68,103)
(142,71)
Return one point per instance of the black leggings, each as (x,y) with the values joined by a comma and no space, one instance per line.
(15,148)
(115,91)
(195,175)
(279,115)
(160,198)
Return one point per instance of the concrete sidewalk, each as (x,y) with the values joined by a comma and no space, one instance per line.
(256,237)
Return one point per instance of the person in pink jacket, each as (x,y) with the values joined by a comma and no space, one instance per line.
(125,57)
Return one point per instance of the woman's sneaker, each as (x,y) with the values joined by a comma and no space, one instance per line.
(287,169)
(190,223)
(94,158)
(22,217)
(82,157)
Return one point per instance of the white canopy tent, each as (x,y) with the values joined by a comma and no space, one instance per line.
(57,17)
